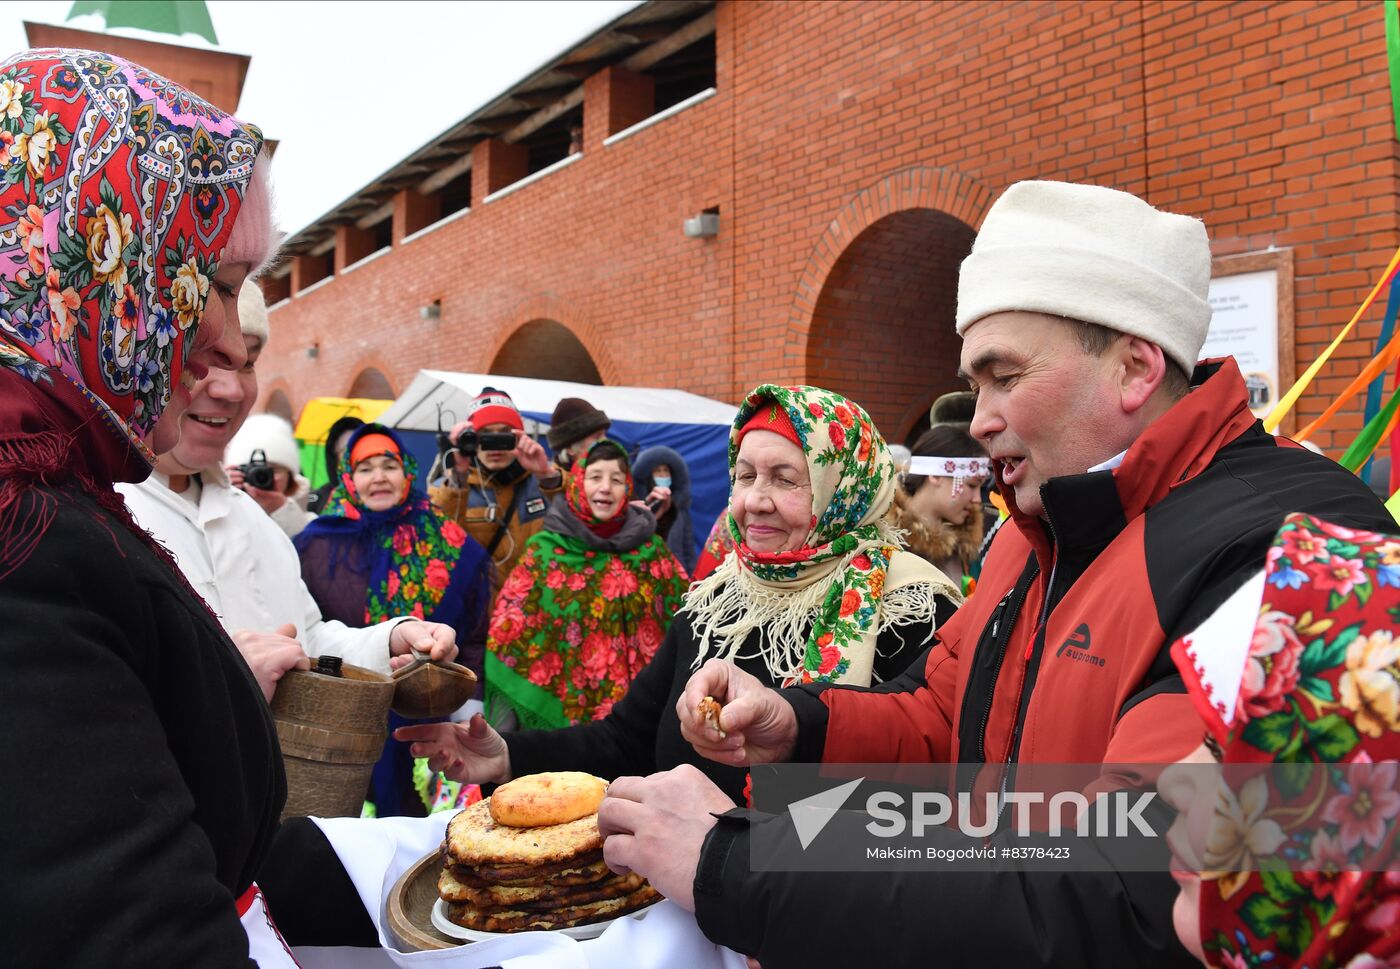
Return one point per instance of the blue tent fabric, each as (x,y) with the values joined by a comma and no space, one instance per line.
(705,448)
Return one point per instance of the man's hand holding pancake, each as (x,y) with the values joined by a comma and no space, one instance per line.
(656,826)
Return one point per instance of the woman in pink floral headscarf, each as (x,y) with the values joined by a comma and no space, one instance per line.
(143,780)
(1296,866)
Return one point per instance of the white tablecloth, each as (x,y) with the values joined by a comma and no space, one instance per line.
(376,852)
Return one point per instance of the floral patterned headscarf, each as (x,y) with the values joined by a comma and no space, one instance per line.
(577,619)
(576,498)
(120,190)
(1317,681)
(822,605)
(118,193)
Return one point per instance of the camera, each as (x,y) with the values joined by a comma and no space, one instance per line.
(257,473)
(470,442)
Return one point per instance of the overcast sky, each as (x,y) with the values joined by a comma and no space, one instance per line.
(348,89)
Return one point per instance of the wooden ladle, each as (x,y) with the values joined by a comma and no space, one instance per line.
(426,689)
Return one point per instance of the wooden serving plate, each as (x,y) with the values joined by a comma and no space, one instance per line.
(411,905)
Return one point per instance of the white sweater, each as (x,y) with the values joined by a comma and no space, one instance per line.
(245,567)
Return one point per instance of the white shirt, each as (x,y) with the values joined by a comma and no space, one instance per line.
(245,567)
(1111,464)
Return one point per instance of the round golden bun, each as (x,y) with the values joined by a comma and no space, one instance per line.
(541,800)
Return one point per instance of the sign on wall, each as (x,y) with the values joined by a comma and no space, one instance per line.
(1251,298)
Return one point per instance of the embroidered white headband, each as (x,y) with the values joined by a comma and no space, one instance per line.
(955,468)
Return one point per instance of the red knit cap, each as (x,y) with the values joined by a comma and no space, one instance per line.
(493,406)
(770,416)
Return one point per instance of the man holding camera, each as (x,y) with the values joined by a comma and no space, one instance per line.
(262,460)
(497,481)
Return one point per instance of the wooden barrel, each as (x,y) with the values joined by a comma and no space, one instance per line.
(332,730)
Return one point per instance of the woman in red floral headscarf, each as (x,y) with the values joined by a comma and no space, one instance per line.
(142,775)
(1296,866)
(819,590)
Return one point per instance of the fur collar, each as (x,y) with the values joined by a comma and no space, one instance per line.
(937,541)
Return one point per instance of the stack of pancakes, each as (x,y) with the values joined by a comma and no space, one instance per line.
(531,857)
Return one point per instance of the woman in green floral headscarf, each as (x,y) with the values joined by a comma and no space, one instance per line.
(587,604)
(822,594)
(819,589)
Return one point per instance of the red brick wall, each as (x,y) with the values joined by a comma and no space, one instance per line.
(1273,123)
(547,349)
(1269,120)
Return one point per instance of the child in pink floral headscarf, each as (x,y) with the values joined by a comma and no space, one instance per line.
(586,606)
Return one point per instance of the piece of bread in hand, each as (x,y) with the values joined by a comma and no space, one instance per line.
(708,711)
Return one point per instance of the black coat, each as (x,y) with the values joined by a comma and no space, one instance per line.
(641,734)
(142,775)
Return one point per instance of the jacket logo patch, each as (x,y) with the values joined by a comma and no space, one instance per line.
(1078,645)
(534,506)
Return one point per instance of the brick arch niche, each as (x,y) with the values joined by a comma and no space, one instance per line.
(882,328)
(280,404)
(372,384)
(874,309)
(547,349)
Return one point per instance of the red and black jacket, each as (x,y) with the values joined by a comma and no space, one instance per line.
(1062,656)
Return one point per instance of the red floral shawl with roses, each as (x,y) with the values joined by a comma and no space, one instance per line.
(576,621)
(1316,683)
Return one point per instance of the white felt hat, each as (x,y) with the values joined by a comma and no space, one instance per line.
(1092,254)
(267,433)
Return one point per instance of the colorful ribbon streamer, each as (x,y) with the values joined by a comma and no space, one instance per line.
(1372,370)
(1392,54)
(1371,435)
(1377,388)
(1276,416)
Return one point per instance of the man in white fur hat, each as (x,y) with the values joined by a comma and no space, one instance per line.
(236,556)
(1142,492)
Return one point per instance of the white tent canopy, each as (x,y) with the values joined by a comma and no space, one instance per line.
(417,408)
